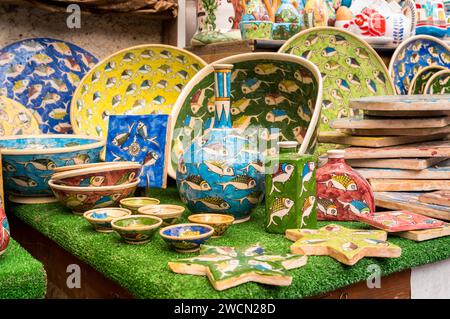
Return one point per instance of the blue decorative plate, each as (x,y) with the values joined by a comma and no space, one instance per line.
(42,74)
(412,56)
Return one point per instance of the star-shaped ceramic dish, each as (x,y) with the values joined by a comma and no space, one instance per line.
(227,267)
(343,244)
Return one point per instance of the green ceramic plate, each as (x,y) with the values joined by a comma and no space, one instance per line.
(439,83)
(350,68)
(268,90)
(420,80)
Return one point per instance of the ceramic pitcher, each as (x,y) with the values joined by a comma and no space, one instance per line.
(290,190)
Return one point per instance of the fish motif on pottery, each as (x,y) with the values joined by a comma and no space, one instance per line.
(16,119)
(267,91)
(42,74)
(342,193)
(139,80)
(427,50)
(290,189)
(221,173)
(439,83)
(141,139)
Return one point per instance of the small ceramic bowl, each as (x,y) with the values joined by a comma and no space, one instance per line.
(81,199)
(186,238)
(80,166)
(170,214)
(101,218)
(100,175)
(136,229)
(220,222)
(134,203)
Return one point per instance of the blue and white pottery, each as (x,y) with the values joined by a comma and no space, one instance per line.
(186,238)
(141,139)
(42,74)
(412,56)
(221,171)
(28,162)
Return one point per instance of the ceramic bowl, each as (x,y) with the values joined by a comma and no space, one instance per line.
(20,119)
(101,218)
(80,166)
(170,214)
(256,30)
(220,222)
(134,203)
(100,175)
(136,229)
(186,238)
(29,161)
(81,199)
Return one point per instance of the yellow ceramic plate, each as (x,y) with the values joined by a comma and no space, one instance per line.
(16,119)
(143,79)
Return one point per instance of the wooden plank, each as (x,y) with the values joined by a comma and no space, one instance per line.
(374,141)
(437,198)
(384,123)
(406,113)
(424,149)
(410,201)
(425,234)
(403,103)
(216,51)
(435,172)
(398,132)
(400,163)
(408,185)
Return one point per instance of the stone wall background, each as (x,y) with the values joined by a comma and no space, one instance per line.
(101,35)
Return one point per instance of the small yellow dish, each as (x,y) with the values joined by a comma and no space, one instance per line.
(220,222)
(134,203)
(170,214)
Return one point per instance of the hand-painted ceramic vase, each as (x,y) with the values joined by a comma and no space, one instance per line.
(341,192)
(290,190)
(4,231)
(431,18)
(221,171)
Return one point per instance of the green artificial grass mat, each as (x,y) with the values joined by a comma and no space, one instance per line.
(143,270)
(21,276)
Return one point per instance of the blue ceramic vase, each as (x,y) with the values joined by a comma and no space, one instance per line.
(221,171)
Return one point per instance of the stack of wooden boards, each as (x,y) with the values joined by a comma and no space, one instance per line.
(400,144)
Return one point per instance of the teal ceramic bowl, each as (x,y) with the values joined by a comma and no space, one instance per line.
(136,229)
(101,218)
(186,238)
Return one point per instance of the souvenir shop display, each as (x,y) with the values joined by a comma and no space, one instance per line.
(101,218)
(345,245)
(16,119)
(142,139)
(170,214)
(29,161)
(186,238)
(290,190)
(342,193)
(42,74)
(220,222)
(136,229)
(134,203)
(228,267)
(144,79)
(277,95)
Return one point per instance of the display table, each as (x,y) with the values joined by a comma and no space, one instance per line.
(142,270)
(21,276)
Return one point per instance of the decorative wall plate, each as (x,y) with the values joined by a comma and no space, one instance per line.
(345,245)
(42,74)
(228,267)
(350,68)
(143,79)
(401,220)
(439,83)
(412,56)
(16,119)
(420,80)
(268,91)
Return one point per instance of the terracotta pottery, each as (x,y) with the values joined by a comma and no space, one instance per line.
(341,192)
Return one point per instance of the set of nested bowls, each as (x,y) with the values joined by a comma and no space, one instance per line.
(86,187)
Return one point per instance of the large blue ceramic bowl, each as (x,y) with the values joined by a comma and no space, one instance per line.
(186,238)
(29,161)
